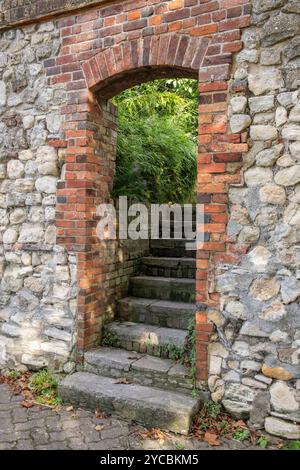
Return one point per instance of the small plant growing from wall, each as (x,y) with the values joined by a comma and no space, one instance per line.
(110,339)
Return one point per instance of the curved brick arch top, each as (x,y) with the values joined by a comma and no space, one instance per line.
(115,69)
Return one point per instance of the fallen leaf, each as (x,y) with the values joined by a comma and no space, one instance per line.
(69,408)
(99,427)
(100,414)
(154,434)
(279,445)
(123,381)
(240,424)
(211,439)
(28,403)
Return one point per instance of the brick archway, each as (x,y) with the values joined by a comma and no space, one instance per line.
(113,70)
(89,162)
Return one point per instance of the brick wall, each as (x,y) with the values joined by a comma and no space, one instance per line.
(16,12)
(56,77)
(106,50)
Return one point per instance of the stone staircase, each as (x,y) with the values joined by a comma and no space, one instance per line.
(137,375)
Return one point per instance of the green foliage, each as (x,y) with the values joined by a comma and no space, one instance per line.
(224,426)
(292,445)
(208,415)
(166,98)
(172,352)
(44,385)
(110,339)
(212,409)
(195,393)
(189,358)
(14,374)
(156,148)
(263,442)
(241,434)
(179,446)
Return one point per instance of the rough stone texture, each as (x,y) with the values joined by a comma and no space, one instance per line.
(283,398)
(260,297)
(156,312)
(77,429)
(281,428)
(239,122)
(278,28)
(263,229)
(31,260)
(140,368)
(139,337)
(166,410)
(32,152)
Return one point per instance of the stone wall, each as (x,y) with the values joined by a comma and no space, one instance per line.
(256,366)
(57,149)
(38,278)
(38,289)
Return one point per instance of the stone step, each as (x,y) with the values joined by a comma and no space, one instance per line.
(150,339)
(156,312)
(151,407)
(138,368)
(163,288)
(169,267)
(172,248)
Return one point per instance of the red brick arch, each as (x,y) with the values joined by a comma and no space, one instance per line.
(133,62)
(104,51)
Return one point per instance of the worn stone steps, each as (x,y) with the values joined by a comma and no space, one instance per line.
(137,373)
(152,407)
(156,312)
(169,267)
(163,288)
(138,368)
(150,339)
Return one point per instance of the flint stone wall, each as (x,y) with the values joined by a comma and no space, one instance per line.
(255,359)
(255,349)
(38,278)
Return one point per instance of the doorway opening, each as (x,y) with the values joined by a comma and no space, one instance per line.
(151,279)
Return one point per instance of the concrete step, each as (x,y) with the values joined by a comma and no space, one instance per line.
(173,248)
(153,340)
(138,368)
(156,312)
(169,267)
(163,288)
(151,407)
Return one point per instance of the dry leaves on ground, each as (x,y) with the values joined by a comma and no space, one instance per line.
(212,424)
(153,434)
(211,439)
(20,386)
(100,414)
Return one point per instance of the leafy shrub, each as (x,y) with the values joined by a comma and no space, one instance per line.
(44,385)
(156,148)
(155,161)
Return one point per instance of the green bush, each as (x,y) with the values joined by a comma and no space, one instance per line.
(44,385)
(156,149)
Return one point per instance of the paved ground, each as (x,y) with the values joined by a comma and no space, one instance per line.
(43,428)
